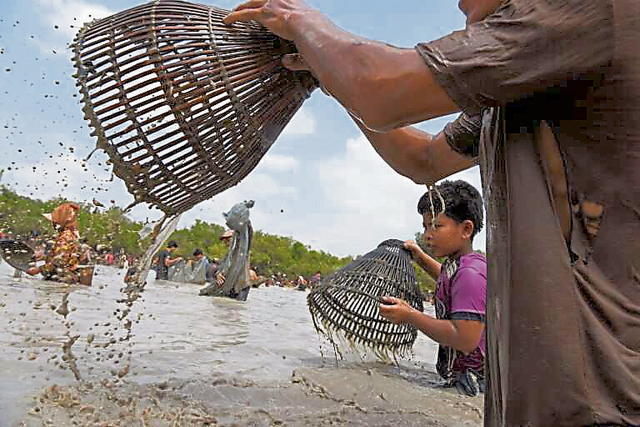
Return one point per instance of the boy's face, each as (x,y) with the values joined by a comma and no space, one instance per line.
(445,236)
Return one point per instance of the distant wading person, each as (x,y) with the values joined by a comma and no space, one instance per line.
(165,260)
(233,279)
(200,268)
(550,95)
(192,271)
(63,260)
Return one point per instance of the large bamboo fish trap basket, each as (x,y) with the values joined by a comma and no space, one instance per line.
(347,302)
(184,106)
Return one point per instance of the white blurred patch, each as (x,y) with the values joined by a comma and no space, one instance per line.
(278,163)
(303,123)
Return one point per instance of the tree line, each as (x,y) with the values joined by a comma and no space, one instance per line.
(110,229)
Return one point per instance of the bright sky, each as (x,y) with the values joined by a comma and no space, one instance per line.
(321,183)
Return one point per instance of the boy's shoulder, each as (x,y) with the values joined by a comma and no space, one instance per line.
(467,290)
(472,266)
(475,261)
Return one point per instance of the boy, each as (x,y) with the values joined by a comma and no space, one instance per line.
(460,297)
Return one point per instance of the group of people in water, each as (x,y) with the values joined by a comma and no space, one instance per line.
(452,216)
(200,269)
(69,259)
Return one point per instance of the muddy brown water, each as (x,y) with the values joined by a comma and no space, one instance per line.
(176,358)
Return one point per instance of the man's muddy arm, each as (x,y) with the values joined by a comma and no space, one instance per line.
(418,155)
(384,86)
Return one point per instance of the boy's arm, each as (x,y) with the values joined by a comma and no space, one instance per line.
(425,261)
(462,335)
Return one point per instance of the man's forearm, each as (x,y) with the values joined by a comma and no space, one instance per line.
(384,86)
(403,150)
(418,155)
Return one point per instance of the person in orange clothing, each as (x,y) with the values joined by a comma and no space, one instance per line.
(61,263)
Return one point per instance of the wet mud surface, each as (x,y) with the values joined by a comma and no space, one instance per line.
(173,358)
(312,397)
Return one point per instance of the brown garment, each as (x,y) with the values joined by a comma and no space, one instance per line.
(65,216)
(554,87)
(62,263)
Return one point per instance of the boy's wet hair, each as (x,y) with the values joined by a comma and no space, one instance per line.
(172,244)
(461,202)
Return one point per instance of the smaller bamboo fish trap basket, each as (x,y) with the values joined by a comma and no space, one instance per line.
(348,301)
(184,105)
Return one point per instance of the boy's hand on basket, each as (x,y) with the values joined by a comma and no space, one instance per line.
(395,309)
(413,247)
(273,14)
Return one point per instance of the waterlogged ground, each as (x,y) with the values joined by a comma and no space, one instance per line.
(173,358)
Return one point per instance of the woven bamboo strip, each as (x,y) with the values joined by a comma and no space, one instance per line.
(347,302)
(184,105)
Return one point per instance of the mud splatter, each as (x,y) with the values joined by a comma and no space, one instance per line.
(63,310)
(68,356)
